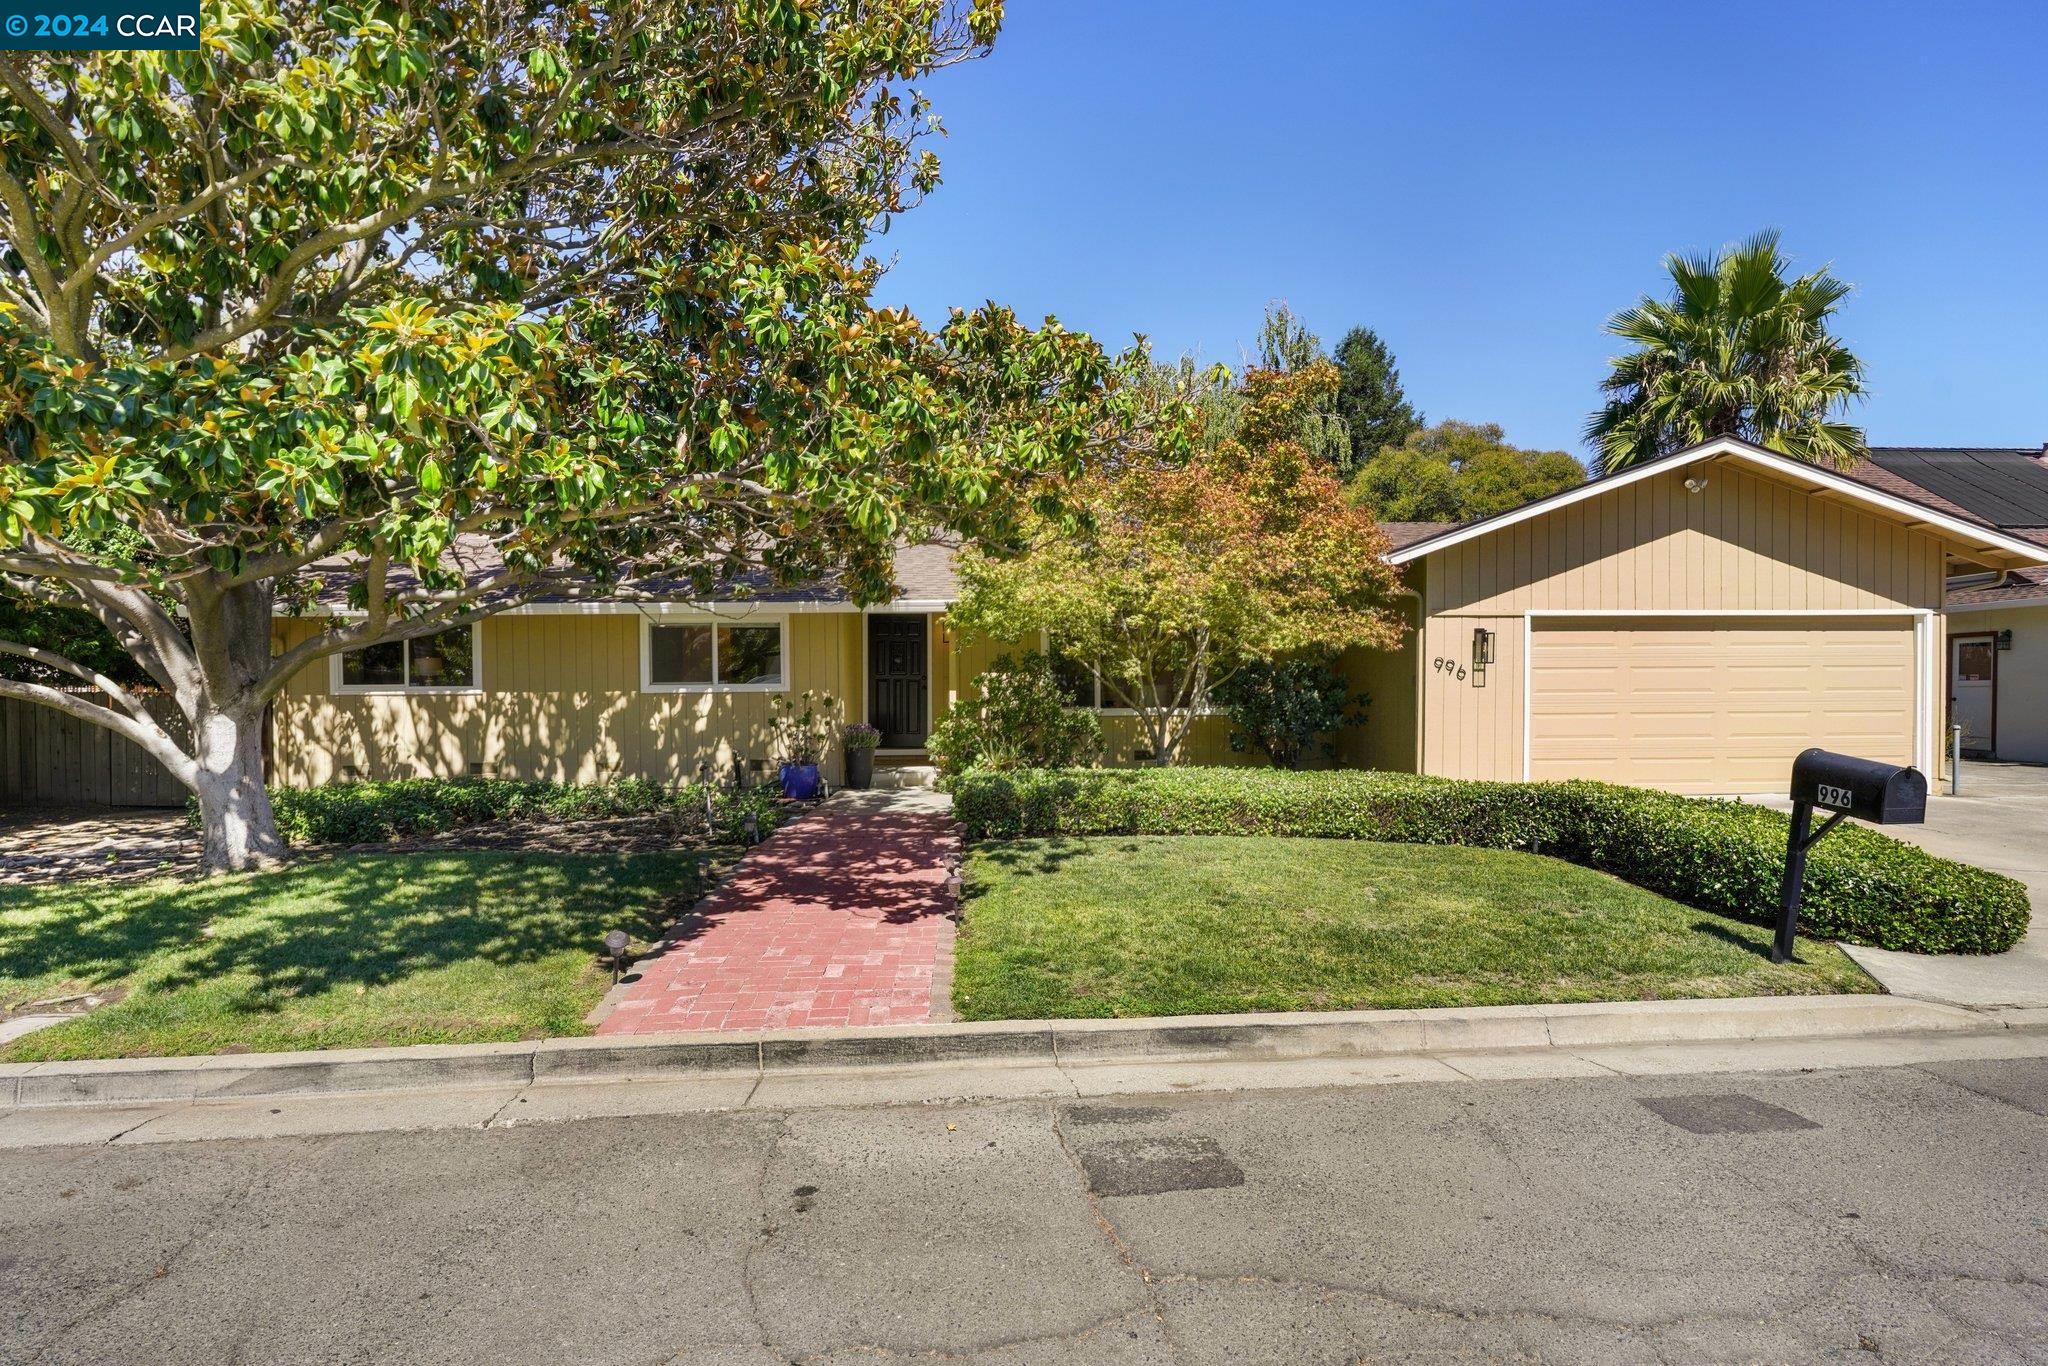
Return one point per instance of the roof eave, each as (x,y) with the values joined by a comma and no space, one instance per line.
(1982,539)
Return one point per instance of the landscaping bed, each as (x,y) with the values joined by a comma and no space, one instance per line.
(1720,856)
(432,808)
(341,950)
(1154,925)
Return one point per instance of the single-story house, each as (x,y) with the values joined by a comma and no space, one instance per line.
(1689,624)
(1997,665)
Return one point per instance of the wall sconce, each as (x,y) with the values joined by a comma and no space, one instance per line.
(1482,654)
(2005,640)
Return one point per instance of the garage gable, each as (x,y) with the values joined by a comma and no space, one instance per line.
(1691,625)
(1959,534)
(1708,535)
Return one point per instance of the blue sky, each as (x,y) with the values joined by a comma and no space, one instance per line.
(1485,183)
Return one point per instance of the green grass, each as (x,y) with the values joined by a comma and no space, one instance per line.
(1184,925)
(352,950)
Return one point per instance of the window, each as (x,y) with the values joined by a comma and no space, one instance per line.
(1083,689)
(1974,661)
(701,656)
(445,662)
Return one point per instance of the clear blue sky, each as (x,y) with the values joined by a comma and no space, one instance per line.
(1486,183)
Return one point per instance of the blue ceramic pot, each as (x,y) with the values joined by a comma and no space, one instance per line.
(800,782)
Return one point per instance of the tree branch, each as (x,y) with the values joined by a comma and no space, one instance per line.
(151,738)
(50,659)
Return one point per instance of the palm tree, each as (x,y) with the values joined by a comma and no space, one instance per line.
(1738,350)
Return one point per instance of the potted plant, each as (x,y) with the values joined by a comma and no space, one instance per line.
(860,740)
(803,728)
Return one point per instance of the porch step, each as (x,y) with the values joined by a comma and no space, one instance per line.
(898,776)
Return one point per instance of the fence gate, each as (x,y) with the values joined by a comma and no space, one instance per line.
(49,758)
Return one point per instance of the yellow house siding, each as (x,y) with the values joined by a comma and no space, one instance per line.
(561,700)
(1389,739)
(1744,543)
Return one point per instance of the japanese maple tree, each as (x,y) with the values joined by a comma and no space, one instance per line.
(1191,567)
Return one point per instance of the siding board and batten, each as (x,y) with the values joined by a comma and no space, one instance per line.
(1661,592)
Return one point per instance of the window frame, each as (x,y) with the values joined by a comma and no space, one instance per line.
(650,620)
(405,686)
(1205,707)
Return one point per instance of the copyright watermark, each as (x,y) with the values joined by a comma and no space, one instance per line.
(126,25)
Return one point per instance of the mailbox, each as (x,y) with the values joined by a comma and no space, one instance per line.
(1883,794)
(1841,785)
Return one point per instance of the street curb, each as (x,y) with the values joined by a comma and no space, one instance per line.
(1339,1034)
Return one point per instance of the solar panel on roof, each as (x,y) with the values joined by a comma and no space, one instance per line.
(2005,487)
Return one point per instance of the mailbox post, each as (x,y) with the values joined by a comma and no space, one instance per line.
(1841,785)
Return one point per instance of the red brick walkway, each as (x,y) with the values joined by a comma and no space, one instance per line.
(840,919)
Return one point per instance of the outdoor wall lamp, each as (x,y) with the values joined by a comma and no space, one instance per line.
(1482,654)
(2005,640)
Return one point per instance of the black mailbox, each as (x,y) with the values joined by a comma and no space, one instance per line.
(1883,794)
(1842,785)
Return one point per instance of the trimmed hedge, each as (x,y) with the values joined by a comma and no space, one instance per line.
(1721,856)
(361,813)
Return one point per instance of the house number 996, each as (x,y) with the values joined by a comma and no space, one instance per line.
(1452,667)
(1826,794)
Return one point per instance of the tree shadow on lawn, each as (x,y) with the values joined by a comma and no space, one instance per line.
(1042,855)
(365,920)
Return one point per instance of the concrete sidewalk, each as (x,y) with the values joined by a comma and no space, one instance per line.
(1999,822)
(750,1058)
(560,1097)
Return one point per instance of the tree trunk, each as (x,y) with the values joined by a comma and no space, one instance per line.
(238,831)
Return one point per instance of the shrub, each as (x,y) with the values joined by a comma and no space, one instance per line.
(1721,856)
(1021,720)
(361,813)
(1287,709)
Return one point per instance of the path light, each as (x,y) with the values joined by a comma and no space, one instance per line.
(615,945)
(753,827)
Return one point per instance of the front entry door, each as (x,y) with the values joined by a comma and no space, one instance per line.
(1973,692)
(899,680)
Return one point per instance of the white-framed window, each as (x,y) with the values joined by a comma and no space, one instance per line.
(1084,688)
(448,661)
(710,654)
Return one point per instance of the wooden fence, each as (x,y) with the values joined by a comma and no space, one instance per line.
(48,758)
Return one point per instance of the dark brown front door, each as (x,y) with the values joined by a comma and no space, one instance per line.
(899,680)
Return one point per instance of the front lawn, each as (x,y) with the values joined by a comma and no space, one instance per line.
(351,950)
(1188,925)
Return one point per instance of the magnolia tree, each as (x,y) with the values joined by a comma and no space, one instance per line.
(1187,571)
(438,307)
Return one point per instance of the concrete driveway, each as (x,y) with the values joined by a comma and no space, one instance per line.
(1999,821)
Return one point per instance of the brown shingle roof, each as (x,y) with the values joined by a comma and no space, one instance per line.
(924,573)
(1408,533)
(2021,586)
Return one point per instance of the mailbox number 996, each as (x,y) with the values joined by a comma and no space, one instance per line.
(1826,794)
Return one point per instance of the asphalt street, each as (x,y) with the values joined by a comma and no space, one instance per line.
(1873,1215)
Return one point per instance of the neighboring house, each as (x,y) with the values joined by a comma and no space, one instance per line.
(1997,661)
(1690,624)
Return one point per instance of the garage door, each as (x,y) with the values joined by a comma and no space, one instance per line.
(1716,705)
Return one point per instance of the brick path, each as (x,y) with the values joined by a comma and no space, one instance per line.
(842,918)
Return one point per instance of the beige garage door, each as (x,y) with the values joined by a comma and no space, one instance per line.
(1716,705)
